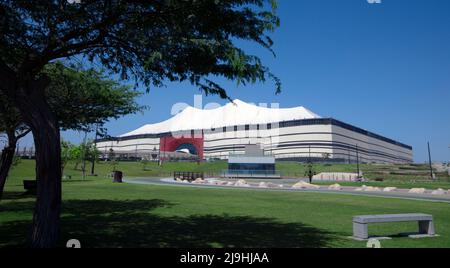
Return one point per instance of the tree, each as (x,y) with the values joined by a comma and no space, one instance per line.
(85,151)
(83,99)
(145,163)
(148,41)
(10,124)
(66,153)
(70,87)
(112,159)
(78,153)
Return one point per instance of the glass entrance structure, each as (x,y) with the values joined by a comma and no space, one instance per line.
(252,162)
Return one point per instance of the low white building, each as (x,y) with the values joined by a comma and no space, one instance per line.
(287,134)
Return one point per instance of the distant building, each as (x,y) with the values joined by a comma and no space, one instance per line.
(253,161)
(288,134)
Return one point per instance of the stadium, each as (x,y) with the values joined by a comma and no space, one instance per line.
(294,134)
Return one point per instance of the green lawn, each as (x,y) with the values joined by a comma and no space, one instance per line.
(102,214)
(290,169)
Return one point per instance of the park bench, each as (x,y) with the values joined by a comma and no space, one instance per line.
(30,185)
(360,223)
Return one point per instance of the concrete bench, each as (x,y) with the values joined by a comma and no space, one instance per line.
(360,223)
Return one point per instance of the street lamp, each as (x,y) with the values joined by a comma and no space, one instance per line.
(357,161)
(94,157)
(429,159)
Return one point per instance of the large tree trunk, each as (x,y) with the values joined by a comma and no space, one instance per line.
(44,126)
(6,161)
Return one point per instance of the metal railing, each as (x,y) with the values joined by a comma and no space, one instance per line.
(190,176)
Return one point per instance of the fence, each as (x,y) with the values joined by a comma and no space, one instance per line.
(190,176)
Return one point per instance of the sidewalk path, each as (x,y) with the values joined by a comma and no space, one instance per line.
(399,194)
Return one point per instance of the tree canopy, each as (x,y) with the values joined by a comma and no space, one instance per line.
(79,98)
(149,41)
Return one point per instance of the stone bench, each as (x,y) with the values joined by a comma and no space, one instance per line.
(360,223)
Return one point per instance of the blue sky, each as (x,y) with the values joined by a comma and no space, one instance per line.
(383,67)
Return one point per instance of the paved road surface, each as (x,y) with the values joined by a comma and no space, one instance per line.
(401,194)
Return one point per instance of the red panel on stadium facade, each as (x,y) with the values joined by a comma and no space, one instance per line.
(170,143)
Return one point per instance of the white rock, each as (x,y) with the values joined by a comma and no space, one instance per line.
(362,188)
(389,189)
(199,181)
(438,192)
(230,183)
(335,187)
(371,189)
(417,191)
(305,185)
(241,183)
(263,185)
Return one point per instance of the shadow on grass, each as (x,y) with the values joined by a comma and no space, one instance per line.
(105,223)
(17,195)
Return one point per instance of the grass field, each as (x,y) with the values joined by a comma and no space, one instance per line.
(102,214)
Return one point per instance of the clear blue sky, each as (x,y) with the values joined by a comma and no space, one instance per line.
(383,67)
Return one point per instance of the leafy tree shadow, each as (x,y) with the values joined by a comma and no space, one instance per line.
(10,195)
(107,223)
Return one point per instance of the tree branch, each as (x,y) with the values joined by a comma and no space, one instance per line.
(23,134)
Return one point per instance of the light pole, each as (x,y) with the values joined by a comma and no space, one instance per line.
(429,159)
(348,156)
(84,155)
(357,160)
(95,152)
(164,152)
(271,145)
(448,169)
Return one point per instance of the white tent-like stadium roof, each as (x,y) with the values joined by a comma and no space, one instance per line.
(237,113)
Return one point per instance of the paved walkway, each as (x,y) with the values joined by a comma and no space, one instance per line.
(399,194)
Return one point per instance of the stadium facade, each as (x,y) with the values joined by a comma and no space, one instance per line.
(288,134)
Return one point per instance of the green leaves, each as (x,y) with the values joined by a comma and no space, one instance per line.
(71,152)
(81,98)
(148,41)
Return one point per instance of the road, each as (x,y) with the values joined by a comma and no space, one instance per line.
(399,194)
